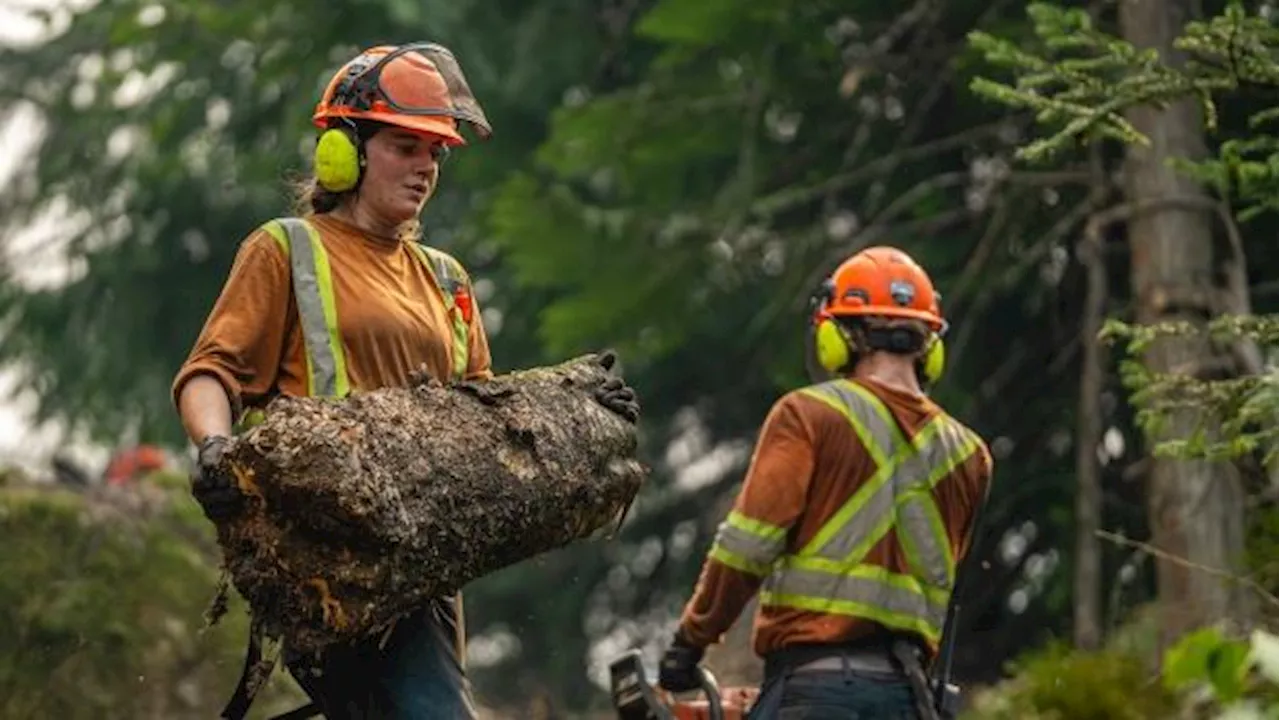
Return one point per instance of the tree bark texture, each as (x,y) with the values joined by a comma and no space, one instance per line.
(1196,508)
(1087,605)
(364,508)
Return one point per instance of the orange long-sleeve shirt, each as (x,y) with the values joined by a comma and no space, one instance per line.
(807,463)
(391,314)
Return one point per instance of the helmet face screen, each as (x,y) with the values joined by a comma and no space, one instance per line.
(420,80)
(410,83)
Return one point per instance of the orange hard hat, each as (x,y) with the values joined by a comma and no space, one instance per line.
(128,464)
(418,87)
(883,282)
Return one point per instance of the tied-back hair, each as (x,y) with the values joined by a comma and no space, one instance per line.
(310,198)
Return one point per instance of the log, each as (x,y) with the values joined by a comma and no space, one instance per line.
(363,509)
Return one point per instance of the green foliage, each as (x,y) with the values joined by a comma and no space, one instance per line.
(1235,678)
(1205,675)
(1084,90)
(706,163)
(1057,683)
(1237,414)
(1262,549)
(1207,654)
(101,602)
(171,129)
(1079,81)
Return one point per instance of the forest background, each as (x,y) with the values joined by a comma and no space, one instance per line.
(1092,186)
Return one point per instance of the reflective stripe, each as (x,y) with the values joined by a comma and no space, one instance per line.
(449,276)
(748,544)
(317,312)
(318,315)
(828,574)
(879,435)
(891,599)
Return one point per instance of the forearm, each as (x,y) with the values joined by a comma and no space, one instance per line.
(720,597)
(204,408)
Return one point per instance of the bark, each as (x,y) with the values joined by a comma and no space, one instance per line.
(1196,508)
(362,509)
(1087,625)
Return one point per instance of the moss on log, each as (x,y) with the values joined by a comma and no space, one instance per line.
(363,508)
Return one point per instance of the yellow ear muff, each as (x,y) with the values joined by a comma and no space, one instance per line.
(337,161)
(935,360)
(830,346)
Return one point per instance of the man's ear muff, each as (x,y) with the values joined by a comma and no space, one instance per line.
(934,360)
(337,160)
(830,345)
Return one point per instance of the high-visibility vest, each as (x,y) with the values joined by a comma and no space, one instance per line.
(830,573)
(318,313)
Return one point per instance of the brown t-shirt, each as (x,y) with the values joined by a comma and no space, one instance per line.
(807,463)
(391,314)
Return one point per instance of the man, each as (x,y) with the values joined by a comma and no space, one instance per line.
(858,504)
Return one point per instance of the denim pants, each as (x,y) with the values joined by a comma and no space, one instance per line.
(833,695)
(416,675)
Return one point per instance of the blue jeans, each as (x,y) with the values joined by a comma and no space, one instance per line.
(833,695)
(417,675)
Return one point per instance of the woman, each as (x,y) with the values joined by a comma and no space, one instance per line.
(347,299)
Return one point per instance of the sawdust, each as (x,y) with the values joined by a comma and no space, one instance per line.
(364,508)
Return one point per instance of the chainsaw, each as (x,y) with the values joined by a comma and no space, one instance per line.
(636,698)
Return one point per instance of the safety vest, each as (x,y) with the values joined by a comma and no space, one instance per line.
(318,313)
(830,573)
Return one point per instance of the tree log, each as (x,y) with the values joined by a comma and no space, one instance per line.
(363,509)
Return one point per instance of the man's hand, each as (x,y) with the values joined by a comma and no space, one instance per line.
(211,486)
(614,393)
(678,671)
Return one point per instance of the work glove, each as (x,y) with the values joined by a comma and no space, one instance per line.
(615,394)
(678,671)
(211,485)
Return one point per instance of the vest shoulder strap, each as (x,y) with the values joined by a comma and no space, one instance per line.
(446,269)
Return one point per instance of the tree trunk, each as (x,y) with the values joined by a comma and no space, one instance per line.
(1087,600)
(365,508)
(1196,508)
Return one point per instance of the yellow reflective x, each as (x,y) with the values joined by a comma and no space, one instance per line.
(828,573)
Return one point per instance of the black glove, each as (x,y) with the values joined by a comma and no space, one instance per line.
(212,487)
(614,393)
(678,671)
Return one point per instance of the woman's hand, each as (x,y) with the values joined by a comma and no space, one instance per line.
(211,485)
(615,394)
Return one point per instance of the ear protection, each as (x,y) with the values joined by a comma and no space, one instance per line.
(339,153)
(339,159)
(836,351)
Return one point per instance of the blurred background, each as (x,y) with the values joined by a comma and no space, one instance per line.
(672,179)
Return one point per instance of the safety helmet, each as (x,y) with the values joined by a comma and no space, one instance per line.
(878,282)
(885,282)
(419,87)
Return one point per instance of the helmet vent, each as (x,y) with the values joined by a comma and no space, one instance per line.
(902,292)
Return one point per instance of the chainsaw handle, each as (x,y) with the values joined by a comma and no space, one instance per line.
(711,688)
